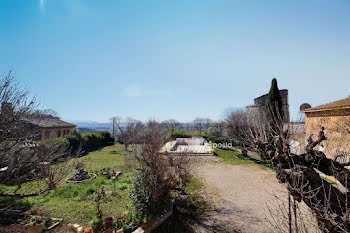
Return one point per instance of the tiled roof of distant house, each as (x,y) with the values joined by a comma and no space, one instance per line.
(49,122)
(336,105)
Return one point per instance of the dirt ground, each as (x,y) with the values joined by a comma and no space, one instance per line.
(241,196)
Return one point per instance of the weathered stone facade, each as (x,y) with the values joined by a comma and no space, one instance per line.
(55,132)
(335,118)
(259,105)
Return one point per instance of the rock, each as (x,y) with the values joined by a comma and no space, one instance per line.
(75,228)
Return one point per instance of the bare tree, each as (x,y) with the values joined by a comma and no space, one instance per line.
(202,124)
(172,124)
(113,121)
(21,158)
(301,173)
(216,129)
(127,130)
(248,130)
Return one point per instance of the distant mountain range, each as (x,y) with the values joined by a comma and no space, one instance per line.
(87,130)
(91,126)
(95,126)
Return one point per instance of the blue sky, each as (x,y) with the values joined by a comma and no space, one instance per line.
(90,60)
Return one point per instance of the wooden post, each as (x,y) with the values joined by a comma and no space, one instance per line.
(289,214)
(295,215)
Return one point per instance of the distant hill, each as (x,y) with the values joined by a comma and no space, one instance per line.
(87,130)
(92,125)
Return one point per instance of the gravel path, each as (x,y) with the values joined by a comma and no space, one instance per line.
(240,196)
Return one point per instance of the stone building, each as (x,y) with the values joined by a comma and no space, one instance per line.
(335,118)
(50,127)
(259,105)
(36,126)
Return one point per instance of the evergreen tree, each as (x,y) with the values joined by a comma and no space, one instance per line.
(273,107)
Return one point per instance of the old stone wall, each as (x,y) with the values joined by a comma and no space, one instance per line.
(337,131)
(47,133)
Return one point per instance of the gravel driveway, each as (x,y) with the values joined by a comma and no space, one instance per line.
(239,194)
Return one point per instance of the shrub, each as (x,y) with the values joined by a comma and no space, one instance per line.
(198,134)
(142,195)
(56,141)
(91,141)
(75,141)
(88,141)
(181,134)
(215,139)
(96,222)
(159,175)
(106,138)
(178,134)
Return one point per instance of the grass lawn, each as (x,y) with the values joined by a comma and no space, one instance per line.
(232,156)
(74,202)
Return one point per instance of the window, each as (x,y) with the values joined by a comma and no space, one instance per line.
(58,133)
(47,134)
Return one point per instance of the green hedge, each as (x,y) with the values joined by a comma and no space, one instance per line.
(75,140)
(93,141)
(181,134)
(214,139)
(85,142)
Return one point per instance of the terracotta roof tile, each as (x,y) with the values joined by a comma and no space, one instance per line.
(50,122)
(340,104)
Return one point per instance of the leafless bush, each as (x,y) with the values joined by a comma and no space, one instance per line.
(21,158)
(159,174)
(250,130)
(287,215)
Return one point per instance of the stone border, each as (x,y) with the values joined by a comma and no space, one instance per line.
(145,228)
(154,223)
(93,176)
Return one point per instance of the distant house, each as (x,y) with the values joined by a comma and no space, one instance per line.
(50,127)
(259,105)
(335,118)
(36,126)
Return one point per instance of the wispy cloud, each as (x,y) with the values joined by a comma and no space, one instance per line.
(131,91)
(156,92)
(42,5)
(77,7)
(136,91)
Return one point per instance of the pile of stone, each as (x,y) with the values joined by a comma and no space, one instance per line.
(81,176)
(110,174)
